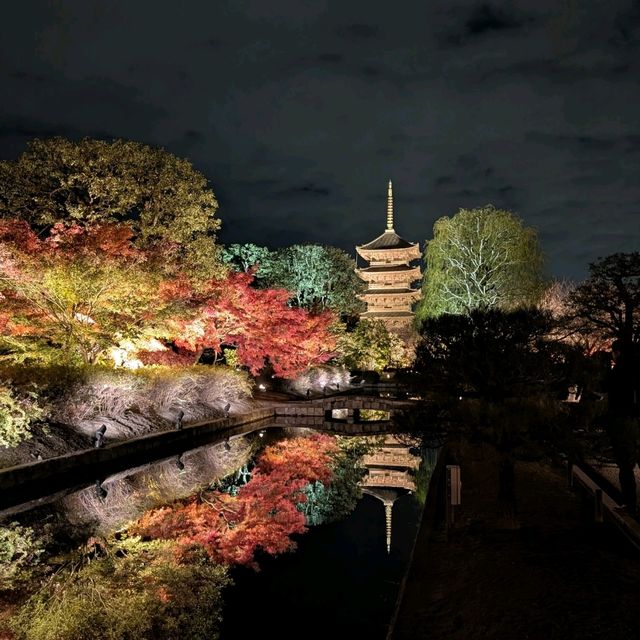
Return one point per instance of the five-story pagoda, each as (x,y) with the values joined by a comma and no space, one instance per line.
(389,276)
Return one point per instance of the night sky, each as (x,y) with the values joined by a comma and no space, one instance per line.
(300,111)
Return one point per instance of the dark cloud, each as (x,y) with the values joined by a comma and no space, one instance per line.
(299,113)
(331,57)
(26,77)
(627,26)
(371,71)
(485,18)
(361,31)
(308,189)
(581,143)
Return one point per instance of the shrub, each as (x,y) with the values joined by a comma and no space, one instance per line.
(133,589)
(18,410)
(319,378)
(20,551)
(130,402)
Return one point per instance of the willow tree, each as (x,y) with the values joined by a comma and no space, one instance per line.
(164,200)
(481,259)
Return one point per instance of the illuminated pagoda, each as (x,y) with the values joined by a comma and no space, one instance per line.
(389,276)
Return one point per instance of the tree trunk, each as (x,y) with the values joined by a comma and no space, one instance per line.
(199,353)
(507,487)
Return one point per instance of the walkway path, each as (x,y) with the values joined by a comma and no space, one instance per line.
(553,575)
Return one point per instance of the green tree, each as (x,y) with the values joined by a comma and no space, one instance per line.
(336,501)
(18,410)
(318,277)
(242,257)
(163,198)
(479,259)
(372,347)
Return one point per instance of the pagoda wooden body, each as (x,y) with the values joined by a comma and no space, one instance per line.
(390,276)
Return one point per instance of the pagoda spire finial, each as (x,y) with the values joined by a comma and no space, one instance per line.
(390,207)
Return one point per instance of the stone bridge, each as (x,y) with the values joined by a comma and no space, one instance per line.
(345,414)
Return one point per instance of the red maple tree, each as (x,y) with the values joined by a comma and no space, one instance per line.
(259,323)
(263,515)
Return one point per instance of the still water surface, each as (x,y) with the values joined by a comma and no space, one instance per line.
(339,583)
(342,580)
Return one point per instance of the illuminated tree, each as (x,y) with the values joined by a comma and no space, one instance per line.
(318,277)
(334,501)
(79,291)
(480,259)
(128,589)
(93,182)
(371,346)
(259,323)
(568,326)
(244,257)
(262,515)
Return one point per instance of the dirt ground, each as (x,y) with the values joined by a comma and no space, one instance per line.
(553,573)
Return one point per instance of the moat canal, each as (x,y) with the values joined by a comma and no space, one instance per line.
(351,506)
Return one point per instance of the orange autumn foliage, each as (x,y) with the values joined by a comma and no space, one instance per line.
(263,515)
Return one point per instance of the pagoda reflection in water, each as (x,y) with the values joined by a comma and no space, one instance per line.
(391,473)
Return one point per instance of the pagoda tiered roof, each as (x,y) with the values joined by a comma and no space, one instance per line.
(391,290)
(389,275)
(396,268)
(389,239)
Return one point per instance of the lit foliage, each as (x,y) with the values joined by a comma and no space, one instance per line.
(262,515)
(258,323)
(128,589)
(372,347)
(607,304)
(328,503)
(135,402)
(83,291)
(248,257)
(21,550)
(77,291)
(18,411)
(93,182)
(319,379)
(317,277)
(479,259)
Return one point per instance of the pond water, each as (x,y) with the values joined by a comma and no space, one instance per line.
(341,580)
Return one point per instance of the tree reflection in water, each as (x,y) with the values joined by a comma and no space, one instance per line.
(173,529)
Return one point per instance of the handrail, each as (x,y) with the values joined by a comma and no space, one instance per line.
(606,506)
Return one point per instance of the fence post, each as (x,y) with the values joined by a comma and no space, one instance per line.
(453,490)
(597,505)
